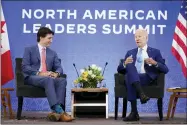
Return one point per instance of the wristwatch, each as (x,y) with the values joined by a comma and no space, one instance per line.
(156,65)
(58,74)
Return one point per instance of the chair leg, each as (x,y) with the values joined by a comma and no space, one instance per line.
(3,102)
(20,104)
(160,105)
(9,105)
(174,106)
(170,105)
(124,107)
(116,107)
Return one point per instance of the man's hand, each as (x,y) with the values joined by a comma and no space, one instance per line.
(150,61)
(128,60)
(54,74)
(49,73)
(44,73)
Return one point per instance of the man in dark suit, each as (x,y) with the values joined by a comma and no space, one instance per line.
(141,66)
(41,67)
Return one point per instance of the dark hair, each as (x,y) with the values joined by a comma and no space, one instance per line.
(42,32)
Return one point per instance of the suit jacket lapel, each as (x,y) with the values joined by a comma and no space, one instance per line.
(37,52)
(149,52)
(134,55)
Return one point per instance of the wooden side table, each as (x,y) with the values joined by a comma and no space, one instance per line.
(78,90)
(6,101)
(176,93)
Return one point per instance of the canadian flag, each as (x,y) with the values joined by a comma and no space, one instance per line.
(6,62)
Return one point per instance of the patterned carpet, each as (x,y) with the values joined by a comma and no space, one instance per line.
(40,118)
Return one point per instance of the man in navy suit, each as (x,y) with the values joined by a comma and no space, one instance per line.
(42,68)
(141,66)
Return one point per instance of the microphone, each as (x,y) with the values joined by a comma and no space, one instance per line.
(104,68)
(76,69)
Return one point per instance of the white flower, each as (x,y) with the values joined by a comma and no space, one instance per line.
(93,76)
(93,66)
(90,72)
(82,70)
(99,68)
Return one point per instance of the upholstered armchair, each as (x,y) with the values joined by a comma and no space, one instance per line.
(154,90)
(23,90)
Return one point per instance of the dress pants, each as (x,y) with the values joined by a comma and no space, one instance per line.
(54,88)
(131,77)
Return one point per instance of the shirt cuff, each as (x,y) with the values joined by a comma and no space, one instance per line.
(37,73)
(124,65)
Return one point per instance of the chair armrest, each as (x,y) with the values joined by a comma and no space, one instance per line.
(120,89)
(119,79)
(19,79)
(161,80)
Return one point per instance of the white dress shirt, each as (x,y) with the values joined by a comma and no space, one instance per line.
(40,50)
(145,55)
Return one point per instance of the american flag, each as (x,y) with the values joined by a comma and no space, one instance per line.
(179,45)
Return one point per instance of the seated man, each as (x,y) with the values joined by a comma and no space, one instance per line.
(41,67)
(141,66)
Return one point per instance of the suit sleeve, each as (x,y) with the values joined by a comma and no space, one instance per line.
(26,64)
(161,63)
(121,67)
(57,65)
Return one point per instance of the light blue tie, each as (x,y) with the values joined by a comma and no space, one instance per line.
(139,60)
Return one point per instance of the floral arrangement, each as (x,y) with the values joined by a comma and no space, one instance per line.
(90,76)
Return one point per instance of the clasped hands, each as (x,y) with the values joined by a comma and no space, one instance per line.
(147,61)
(49,73)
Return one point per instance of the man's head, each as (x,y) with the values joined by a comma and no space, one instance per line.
(141,37)
(45,36)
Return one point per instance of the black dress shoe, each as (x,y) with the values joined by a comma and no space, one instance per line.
(144,98)
(133,116)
